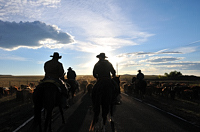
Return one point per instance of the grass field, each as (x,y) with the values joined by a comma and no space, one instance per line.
(6,81)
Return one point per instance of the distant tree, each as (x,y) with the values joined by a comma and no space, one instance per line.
(179,74)
(166,74)
(173,74)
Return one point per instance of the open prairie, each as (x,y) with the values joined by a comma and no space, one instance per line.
(6,81)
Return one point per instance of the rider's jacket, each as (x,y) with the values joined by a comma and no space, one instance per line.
(140,76)
(53,69)
(102,69)
(71,74)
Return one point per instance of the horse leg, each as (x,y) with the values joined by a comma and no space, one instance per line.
(111,118)
(37,117)
(105,111)
(72,97)
(96,110)
(61,112)
(96,115)
(39,121)
(111,112)
(143,93)
(48,120)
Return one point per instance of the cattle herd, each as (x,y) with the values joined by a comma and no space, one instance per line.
(170,90)
(24,92)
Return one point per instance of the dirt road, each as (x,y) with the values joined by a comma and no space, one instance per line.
(132,115)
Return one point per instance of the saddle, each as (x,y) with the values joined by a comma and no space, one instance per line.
(55,82)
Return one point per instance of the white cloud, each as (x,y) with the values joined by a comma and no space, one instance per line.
(181,65)
(25,8)
(187,49)
(162,59)
(97,45)
(100,23)
(31,35)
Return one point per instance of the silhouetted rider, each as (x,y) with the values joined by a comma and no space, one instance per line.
(103,67)
(139,79)
(53,68)
(101,72)
(140,75)
(54,71)
(71,74)
(71,78)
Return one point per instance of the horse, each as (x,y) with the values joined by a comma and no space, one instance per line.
(140,87)
(48,96)
(73,86)
(103,94)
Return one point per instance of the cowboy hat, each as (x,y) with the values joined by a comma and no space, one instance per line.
(69,68)
(56,55)
(101,55)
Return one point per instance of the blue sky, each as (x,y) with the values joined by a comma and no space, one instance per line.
(156,36)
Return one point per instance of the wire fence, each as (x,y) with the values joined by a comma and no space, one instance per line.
(17,83)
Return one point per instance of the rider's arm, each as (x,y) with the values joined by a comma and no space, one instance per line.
(95,72)
(61,71)
(74,74)
(112,70)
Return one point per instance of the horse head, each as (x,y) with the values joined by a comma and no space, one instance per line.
(117,79)
(134,79)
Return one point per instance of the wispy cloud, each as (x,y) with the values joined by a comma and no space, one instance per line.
(17,9)
(148,53)
(187,49)
(12,57)
(184,65)
(146,59)
(195,42)
(31,35)
(162,59)
(102,24)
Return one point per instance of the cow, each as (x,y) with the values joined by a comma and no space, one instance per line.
(13,89)
(191,93)
(6,91)
(24,94)
(196,92)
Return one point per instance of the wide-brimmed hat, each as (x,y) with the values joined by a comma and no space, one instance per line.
(102,55)
(56,55)
(69,68)
(139,70)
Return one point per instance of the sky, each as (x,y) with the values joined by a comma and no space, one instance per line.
(155,36)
